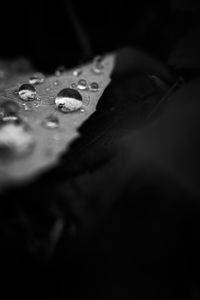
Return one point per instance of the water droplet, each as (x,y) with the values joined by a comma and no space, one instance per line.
(56,83)
(11,119)
(27,92)
(77,72)
(60,70)
(48,89)
(94,86)
(36,105)
(97,67)
(27,106)
(68,100)
(36,79)
(82,84)
(82,110)
(8,112)
(9,108)
(73,85)
(51,122)
(15,139)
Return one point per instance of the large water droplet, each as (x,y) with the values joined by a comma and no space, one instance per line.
(36,79)
(77,72)
(82,84)
(27,92)
(94,86)
(68,100)
(51,122)
(15,139)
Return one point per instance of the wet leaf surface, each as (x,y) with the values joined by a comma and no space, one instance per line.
(50,142)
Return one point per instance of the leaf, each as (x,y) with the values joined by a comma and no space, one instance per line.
(77,188)
(49,143)
(171,144)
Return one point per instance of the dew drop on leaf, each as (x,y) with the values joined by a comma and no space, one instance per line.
(36,79)
(15,140)
(82,84)
(77,72)
(28,106)
(98,67)
(11,119)
(94,86)
(27,92)
(73,85)
(68,100)
(51,122)
(56,83)
(9,108)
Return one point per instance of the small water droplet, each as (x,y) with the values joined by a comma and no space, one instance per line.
(82,110)
(94,86)
(98,67)
(73,85)
(27,106)
(56,83)
(51,122)
(36,79)
(68,100)
(9,107)
(48,89)
(60,70)
(77,72)
(11,119)
(15,139)
(82,84)
(27,92)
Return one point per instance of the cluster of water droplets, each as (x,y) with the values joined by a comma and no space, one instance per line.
(69,99)
(16,136)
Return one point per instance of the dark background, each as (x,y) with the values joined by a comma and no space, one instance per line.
(52,33)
